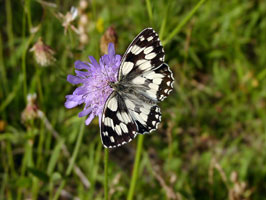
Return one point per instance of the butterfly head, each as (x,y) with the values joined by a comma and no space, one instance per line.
(112,84)
(117,86)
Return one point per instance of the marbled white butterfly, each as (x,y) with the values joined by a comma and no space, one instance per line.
(143,81)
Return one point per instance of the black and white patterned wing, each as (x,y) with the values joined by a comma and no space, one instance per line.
(144,80)
(117,125)
(155,84)
(146,116)
(147,89)
(144,53)
(143,67)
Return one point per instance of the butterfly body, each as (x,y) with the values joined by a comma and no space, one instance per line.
(143,81)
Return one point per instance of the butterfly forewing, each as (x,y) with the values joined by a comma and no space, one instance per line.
(143,54)
(117,125)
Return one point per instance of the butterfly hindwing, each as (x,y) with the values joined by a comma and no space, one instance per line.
(146,116)
(153,120)
(155,84)
(117,125)
(167,82)
(159,82)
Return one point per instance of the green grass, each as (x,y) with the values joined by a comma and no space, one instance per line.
(213,124)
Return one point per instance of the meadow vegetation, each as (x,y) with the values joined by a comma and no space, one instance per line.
(211,143)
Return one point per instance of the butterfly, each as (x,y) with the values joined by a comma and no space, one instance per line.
(143,81)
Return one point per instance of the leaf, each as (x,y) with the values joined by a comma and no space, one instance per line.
(24,182)
(54,157)
(39,174)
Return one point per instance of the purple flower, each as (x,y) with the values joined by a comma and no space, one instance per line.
(94,78)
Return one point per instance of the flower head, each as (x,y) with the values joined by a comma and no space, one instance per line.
(94,78)
(43,54)
(31,111)
(109,36)
(68,19)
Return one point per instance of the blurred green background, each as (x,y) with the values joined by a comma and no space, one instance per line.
(211,143)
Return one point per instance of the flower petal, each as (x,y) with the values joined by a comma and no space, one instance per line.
(70,104)
(80,91)
(118,59)
(85,112)
(73,97)
(81,65)
(82,74)
(111,50)
(93,61)
(100,119)
(89,119)
(74,79)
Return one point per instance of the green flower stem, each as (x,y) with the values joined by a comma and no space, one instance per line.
(28,10)
(3,76)
(9,24)
(27,160)
(183,22)
(26,14)
(36,181)
(75,153)
(23,59)
(39,84)
(40,146)
(136,168)
(95,168)
(106,155)
(11,163)
(164,21)
(149,9)
(72,160)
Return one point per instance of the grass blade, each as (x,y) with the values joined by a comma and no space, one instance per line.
(54,157)
(106,173)
(149,9)
(182,23)
(136,168)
